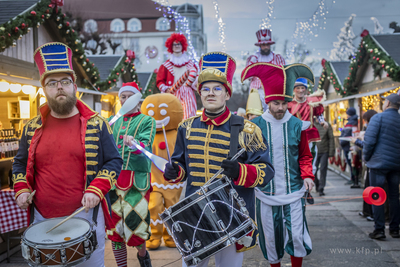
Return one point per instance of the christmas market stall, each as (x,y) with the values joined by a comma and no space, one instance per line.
(372,73)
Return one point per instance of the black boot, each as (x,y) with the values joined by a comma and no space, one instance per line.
(144,261)
(377,234)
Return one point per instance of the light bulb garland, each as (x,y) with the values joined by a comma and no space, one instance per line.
(221,26)
(305,30)
(266,22)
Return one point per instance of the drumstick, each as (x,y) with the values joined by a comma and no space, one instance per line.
(66,219)
(30,196)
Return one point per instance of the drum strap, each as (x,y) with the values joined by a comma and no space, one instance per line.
(95,213)
(236,124)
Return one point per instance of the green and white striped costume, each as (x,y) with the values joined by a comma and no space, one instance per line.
(280,208)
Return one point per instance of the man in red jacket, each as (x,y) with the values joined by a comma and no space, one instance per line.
(67,153)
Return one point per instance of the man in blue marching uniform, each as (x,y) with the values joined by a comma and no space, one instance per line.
(203,146)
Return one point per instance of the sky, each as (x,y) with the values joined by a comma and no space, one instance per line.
(243,19)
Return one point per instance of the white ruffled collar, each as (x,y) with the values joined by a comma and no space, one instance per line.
(262,58)
(268,117)
(179,61)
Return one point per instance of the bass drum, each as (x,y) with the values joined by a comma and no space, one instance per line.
(71,243)
(209,220)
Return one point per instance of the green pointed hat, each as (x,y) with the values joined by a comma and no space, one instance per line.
(278,81)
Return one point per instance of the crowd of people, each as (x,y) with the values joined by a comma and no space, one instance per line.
(72,157)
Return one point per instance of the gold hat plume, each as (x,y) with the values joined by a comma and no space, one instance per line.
(254,105)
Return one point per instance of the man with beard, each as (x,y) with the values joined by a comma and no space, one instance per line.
(205,144)
(280,204)
(263,55)
(67,153)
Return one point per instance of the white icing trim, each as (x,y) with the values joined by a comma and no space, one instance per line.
(166,187)
(305,125)
(158,221)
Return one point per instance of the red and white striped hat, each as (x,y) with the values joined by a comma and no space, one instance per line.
(264,37)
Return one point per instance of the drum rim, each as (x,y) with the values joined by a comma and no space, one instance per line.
(58,244)
(247,223)
(170,215)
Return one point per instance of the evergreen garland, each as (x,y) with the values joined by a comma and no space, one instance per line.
(14,30)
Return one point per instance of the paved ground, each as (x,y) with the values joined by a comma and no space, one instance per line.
(338,233)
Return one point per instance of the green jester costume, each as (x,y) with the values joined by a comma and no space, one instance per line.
(130,195)
(280,206)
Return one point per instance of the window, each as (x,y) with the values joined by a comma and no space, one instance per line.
(90,26)
(134,25)
(117,25)
(193,24)
(163,24)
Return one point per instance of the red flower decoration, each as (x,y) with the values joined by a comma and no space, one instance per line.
(118,73)
(16,29)
(131,55)
(33,13)
(383,66)
(115,80)
(373,57)
(92,64)
(87,60)
(109,82)
(377,59)
(67,23)
(47,11)
(42,16)
(364,33)
(23,26)
(323,62)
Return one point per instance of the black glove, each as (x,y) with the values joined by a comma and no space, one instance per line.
(171,171)
(231,168)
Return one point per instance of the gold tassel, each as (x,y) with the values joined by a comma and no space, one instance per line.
(252,141)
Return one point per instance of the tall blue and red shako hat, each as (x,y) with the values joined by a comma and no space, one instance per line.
(52,58)
(217,67)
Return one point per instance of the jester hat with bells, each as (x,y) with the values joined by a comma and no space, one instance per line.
(278,81)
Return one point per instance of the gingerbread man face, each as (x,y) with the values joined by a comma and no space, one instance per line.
(165,109)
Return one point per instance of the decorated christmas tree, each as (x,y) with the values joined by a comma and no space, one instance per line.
(344,47)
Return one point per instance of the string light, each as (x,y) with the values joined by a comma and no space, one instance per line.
(371,101)
(266,23)
(309,28)
(221,28)
(181,25)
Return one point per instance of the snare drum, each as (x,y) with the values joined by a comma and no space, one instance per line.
(71,243)
(207,221)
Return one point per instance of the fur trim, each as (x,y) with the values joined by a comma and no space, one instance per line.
(319,92)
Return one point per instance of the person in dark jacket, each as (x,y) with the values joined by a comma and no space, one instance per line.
(381,152)
(326,149)
(367,208)
(348,131)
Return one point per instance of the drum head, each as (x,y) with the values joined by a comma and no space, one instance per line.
(68,231)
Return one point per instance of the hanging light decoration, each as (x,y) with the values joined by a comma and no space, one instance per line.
(15,88)
(28,89)
(4,86)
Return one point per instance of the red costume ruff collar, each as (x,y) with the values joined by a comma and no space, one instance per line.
(221,119)
(133,114)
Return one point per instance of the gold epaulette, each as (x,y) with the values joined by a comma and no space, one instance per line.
(98,120)
(187,124)
(32,123)
(251,137)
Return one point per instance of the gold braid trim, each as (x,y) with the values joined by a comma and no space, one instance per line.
(19,178)
(108,175)
(187,124)
(92,162)
(251,137)
(95,190)
(260,173)
(91,155)
(92,147)
(92,138)
(90,172)
(92,131)
(22,191)
(98,121)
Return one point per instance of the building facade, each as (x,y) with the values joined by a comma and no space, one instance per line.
(134,25)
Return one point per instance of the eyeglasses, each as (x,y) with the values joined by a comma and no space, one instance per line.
(177,44)
(53,84)
(205,91)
